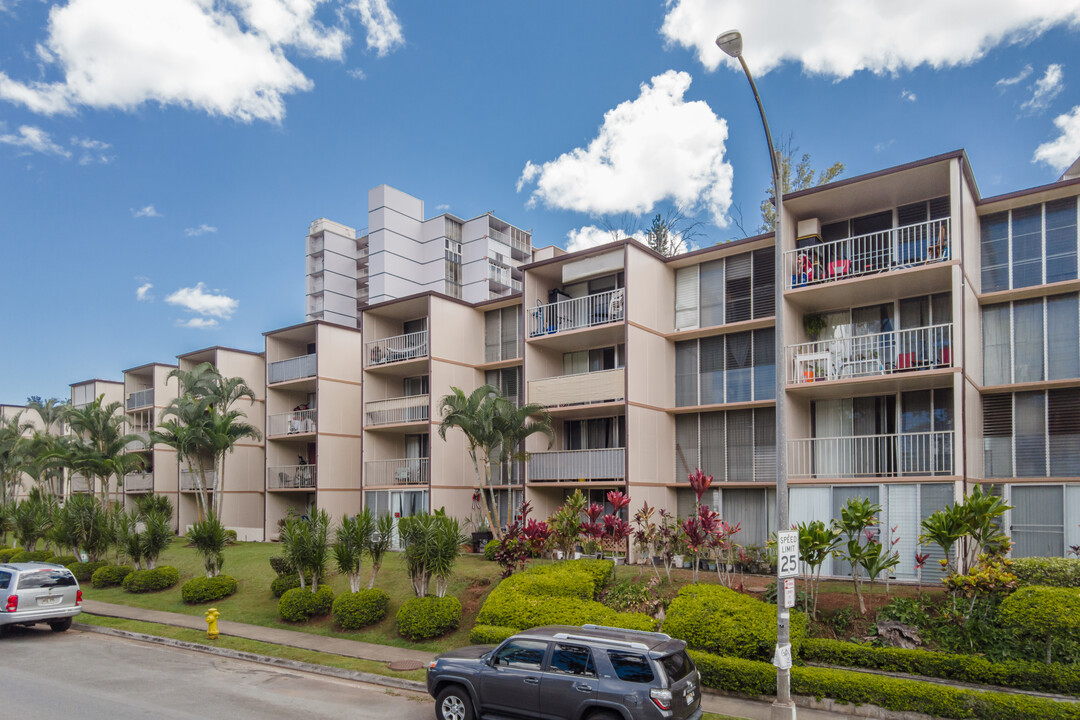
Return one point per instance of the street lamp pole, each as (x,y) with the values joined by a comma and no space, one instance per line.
(783,708)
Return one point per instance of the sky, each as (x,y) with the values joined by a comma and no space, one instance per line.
(160,160)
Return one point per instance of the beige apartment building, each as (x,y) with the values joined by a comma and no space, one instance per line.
(148,389)
(82,394)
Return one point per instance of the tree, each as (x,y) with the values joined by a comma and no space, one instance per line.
(353,539)
(857,516)
(565,523)
(817,543)
(183,428)
(379,544)
(794,177)
(100,448)
(432,546)
(84,525)
(13,448)
(669,233)
(47,448)
(209,540)
(306,543)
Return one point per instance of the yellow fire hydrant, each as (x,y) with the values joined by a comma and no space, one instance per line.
(212,616)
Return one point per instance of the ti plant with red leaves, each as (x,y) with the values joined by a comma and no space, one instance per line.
(646,536)
(699,483)
(920,562)
(725,550)
(668,540)
(592,529)
(616,530)
(698,531)
(524,538)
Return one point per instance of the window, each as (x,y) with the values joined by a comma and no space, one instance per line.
(1029,246)
(738,291)
(1038,519)
(5,580)
(572,660)
(508,380)
(1063,427)
(1061,240)
(733,289)
(503,334)
(1032,340)
(631,667)
(1028,346)
(594,433)
(676,666)
(1063,340)
(595,360)
(994,243)
(1032,434)
(726,369)
(46,579)
(523,654)
(997,344)
(732,446)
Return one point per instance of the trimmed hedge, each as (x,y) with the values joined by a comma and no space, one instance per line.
(716,619)
(144,581)
(281,565)
(25,556)
(1055,678)
(83,571)
(204,589)
(110,575)
(490,634)
(1048,571)
(353,611)
(749,677)
(429,617)
(300,604)
(7,553)
(64,560)
(283,583)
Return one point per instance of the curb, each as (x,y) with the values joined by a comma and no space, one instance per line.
(339,673)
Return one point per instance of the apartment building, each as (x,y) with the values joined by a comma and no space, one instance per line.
(82,394)
(148,390)
(401,254)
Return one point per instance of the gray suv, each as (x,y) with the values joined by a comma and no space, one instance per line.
(35,592)
(574,673)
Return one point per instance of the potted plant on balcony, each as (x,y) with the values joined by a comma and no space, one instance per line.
(814,323)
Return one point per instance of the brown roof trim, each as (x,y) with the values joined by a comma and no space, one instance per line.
(953,155)
(151,364)
(220,347)
(1029,191)
(502,299)
(94,380)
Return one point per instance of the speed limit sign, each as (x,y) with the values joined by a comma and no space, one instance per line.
(787,554)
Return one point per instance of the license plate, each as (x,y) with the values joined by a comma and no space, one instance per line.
(50,600)
(689,698)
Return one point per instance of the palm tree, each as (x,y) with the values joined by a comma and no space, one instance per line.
(183,427)
(13,455)
(101,443)
(47,448)
(354,535)
(224,431)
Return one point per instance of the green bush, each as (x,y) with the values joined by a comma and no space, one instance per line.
(143,581)
(64,560)
(283,583)
(489,634)
(110,575)
(204,589)
(6,554)
(1040,677)
(83,571)
(300,604)
(1048,571)
(353,611)
(716,619)
(490,548)
(429,617)
(748,677)
(230,536)
(25,556)
(282,565)
(1046,616)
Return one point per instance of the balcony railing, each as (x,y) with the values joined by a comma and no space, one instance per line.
(411,408)
(577,313)
(138,482)
(189,481)
(502,277)
(607,464)
(141,398)
(291,369)
(893,249)
(925,453)
(580,389)
(883,353)
(290,477)
(143,443)
(403,471)
(297,422)
(409,346)
(502,237)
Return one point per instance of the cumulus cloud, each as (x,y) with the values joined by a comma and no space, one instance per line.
(590,236)
(293,23)
(384,33)
(30,139)
(907,95)
(653,148)
(198,323)
(142,293)
(201,302)
(147,211)
(92,151)
(1048,87)
(1008,82)
(841,37)
(356,74)
(201,230)
(1063,150)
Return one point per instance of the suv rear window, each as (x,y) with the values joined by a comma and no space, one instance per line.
(631,667)
(676,666)
(5,580)
(46,579)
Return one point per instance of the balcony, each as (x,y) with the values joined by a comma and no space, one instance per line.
(580,389)
(297,422)
(140,399)
(399,348)
(139,482)
(403,471)
(872,456)
(885,353)
(577,465)
(189,481)
(502,279)
(577,313)
(519,247)
(881,252)
(143,443)
(292,369)
(290,477)
(397,411)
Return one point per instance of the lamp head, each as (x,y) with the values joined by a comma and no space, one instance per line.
(730,42)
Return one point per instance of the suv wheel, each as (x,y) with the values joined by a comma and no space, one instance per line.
(453,704)
(602,715)
(60,625)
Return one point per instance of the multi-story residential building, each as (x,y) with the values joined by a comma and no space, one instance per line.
(401,254)
(148,389)
(82,394)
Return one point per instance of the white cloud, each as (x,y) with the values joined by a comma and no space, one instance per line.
(198,323)
(147,211)
(383,28)
(884,145)
(841,37)
(1048,87)
(590,236)
(293,23)
(656,147)
(142,293)
(442,208)
(356,74)
(92,151)
(201,230)
(33,139)
(1004,83)
(1063,150)
(907,95)
(207,304)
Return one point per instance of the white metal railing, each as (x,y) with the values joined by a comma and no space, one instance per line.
(140,398)
(189,480)
(506,239)
(297,422)
(403,471)
(893,249)
(290,477)
(79,484)
(143,443)
(924,453)
(411,408)
(397,348)
(291,369)
(576,313)
(139,482)
(883,353)
(580,389)
(606,464)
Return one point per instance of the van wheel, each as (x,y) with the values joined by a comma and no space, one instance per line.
(453,704)
(60,625)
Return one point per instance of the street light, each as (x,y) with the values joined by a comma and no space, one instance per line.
(783,708)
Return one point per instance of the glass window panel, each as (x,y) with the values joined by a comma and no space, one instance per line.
(492,336)
(1029,422)
(738,290)
(764,364)
(1026,246)
(1028,343)
(686,446)
(765,445)
(940,309)
(1063,340)
(1063,426)
(712,370)
(1038,520)
(511,333)
(902,513)
(1061,240)
(740,446)
(739,367)
(997,436)
(748,509)
(713,445)
(686,298)
(764,282)
(933,498)
(997,344)
(840,496)
(994,244)
(686,373)
(712,293)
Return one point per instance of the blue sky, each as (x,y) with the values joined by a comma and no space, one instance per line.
(160,160)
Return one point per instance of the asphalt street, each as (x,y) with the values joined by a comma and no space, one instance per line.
(86,675)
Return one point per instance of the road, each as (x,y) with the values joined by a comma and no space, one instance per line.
(86,675)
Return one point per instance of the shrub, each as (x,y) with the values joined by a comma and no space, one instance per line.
(283,583)
(1043,615)
(110,575)
(7,553)
(300,604)
(83,571)
(429,617)
(282,565)
(160,578)
(489,634)
(353,611)
(204,589)
(25,556)
(64,560)
(716,619)
(1047,571)
(748,677)
(230,536)
(490,548)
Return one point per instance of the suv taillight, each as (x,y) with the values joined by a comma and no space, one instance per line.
(12,603)
(78,597)
(661,698)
